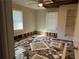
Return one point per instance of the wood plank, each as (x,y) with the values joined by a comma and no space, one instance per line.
(64,51)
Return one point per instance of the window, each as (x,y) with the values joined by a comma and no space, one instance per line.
(51,21)
(17,20)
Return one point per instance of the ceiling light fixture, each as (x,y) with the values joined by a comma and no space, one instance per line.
(40,5)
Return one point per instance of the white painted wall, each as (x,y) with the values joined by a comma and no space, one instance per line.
(61,22)
(28,19)
(42,22)
(76,35)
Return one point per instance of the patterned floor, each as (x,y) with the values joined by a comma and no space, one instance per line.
(24,51)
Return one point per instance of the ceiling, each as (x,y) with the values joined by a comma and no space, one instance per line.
(28,3)
(34,3)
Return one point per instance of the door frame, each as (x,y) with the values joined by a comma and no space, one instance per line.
(6,30)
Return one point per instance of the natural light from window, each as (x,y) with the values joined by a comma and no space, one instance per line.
(17,20)
(51,21)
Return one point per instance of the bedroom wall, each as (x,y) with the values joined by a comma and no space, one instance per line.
(41,19)
(28,19)
(35,20)
(62,16)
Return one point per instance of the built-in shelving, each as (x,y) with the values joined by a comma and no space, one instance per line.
(70,22)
